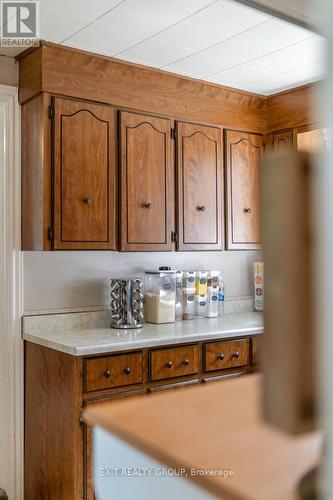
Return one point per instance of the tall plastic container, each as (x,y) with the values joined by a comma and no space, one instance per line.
(160,295)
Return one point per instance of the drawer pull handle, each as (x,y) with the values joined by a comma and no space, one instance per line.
(169,364)
(201,209)
(87,201)
(149,205)
(220,357)
(235,354)
(127,370)
(247,210)
(186,362)
(107,374)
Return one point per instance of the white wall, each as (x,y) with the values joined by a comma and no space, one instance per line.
(55,280)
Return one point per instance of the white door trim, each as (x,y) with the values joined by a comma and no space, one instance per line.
(11,303)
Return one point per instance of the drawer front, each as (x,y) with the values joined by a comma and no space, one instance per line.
(229,354)
(256,350)
(113,371)
(174,362)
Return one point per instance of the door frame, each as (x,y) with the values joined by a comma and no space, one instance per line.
(11,298)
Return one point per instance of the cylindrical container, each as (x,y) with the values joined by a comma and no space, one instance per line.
(212,302)
(179,295)
(188,303)
(213,278)
(160,295)
(201,305)
(221,298)
(127,303)
(201,283)
(189,280)
(259,286)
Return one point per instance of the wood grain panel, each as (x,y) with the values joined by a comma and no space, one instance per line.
(85,197)
(168,363)
(113,371)
(53,434)
(36,174)
(283,141)
(75,73)
(146,178)
(200,187)
(30,74)
(243,153)
(230,354)
(292,108)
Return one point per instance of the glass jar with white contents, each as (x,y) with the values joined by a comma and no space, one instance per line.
(160,295)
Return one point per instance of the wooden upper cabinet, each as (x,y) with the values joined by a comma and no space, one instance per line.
(282,140)
(200,188)
(243,152)
(146,182)
(84,195)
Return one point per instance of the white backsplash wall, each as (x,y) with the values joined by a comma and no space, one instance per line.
(55,280)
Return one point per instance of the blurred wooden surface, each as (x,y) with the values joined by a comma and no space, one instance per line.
(217,426)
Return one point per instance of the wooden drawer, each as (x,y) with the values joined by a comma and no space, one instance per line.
(228,354)
(113,371)
(256,349)
(174,362)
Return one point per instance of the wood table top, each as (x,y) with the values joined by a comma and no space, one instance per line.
(217,426)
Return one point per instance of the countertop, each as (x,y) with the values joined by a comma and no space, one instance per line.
(88,333)
(220,428)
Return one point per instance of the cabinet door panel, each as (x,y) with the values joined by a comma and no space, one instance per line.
(199,187)
(84,176)
(243,175)
(145,182)
(283,141)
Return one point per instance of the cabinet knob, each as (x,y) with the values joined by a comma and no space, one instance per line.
(247,210)
(201,209)
(87,201)
(220,356)
(107,374)
(127,370)
(235,354)
(168,364)
(149,205)
(186,362)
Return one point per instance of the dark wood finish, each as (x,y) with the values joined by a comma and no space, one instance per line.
(36,174)
(113,371)
(88,493)
(200,187)
(292,108)
(243,153)
(169,363)
(31,75)
(53,434)
(103,79)
(230,354)
(283,140)
(217,378)
(146,182)
(257,350)
(85,196)
(168,387)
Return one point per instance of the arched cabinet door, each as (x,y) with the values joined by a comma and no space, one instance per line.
(243,153)
(283,141)
(147,197)
(84,184)
(200,187)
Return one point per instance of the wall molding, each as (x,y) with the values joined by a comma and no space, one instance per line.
(11,302)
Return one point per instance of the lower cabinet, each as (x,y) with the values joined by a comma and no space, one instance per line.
(59,386)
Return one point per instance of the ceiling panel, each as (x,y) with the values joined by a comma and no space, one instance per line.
(86,9)
(219,21)
(55,25)
(199,65)
(238,76)
(154,52)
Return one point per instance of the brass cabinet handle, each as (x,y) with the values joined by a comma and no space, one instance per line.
(149,205)
(220,356)
(107,374)
(247,210)
(169,364)
(127,370)
(186,362)
(87,201)
(201,209)
(235,354)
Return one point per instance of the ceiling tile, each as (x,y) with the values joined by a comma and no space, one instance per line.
(151,16)
(154,52)
(202,29)
(102,38)
(82,8)
(238,75)
(198,65)
(55,26)
(272,35)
